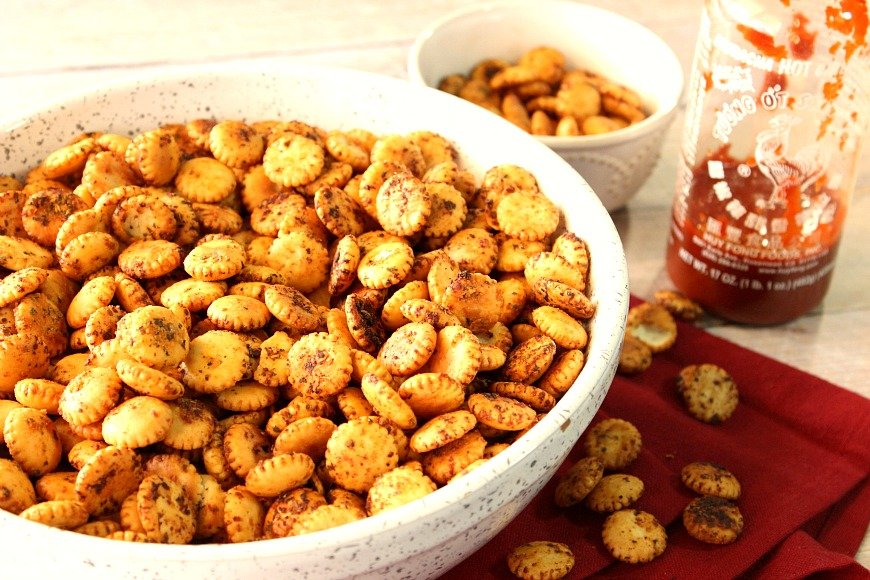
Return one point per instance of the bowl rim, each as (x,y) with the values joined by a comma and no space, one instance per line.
(643,127)
(441,498)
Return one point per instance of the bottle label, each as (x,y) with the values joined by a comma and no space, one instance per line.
(756,185)
(777,104)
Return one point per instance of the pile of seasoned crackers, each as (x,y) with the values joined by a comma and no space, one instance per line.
(225,331)
(542,95)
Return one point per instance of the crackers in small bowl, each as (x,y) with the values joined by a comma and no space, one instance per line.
(595,86)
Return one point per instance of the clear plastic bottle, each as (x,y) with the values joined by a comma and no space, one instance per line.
(779,102)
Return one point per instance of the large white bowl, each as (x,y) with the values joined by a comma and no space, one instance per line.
(615,164)
(428,536)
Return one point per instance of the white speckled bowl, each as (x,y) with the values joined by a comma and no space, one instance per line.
(430,535)
(614,164)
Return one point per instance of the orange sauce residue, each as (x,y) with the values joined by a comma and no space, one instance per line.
(833,87)
(850,20)
(831,90)
(764,43)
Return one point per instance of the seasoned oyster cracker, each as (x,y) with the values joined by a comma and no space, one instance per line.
(580,479)
(21,283)
(441,430)
(616,442)
(707,478)
(356,467)
(398,487)
(387,402)
(614,492)
(32,441)
(90,396)
(147,259)
(143,217)
(293,160)
(165,511)
(541,560)
(204,180)
(238,313)
(64,514)
(57,485)
(193,424)
(279,473)
(319,366)
(430,394)
(235,143)
(653,325)
(634,536)
(305,435)
(107,477)
(709,391)
(137,422)
(713,520)
(16,490)
(408,348)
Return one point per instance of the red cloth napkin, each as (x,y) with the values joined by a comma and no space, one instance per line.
(799,445)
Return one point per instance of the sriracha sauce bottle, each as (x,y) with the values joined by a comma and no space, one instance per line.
(778,105)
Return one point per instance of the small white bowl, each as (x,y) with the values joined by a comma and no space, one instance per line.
(615,164)
(428,536)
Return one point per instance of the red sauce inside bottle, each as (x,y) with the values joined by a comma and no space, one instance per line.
(801,42)
(742,271)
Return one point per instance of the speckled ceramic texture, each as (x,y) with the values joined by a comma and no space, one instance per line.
(428,536)
(614,164)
